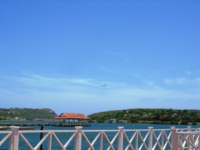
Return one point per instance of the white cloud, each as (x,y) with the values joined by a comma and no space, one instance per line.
(86,95)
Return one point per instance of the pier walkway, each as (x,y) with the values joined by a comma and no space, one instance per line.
(119,139)
(43,123)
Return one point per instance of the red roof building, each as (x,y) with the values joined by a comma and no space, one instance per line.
(74,116)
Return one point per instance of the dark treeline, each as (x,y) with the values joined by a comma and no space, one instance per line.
(26,113)
(156,116)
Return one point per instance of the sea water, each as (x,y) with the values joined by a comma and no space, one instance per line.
(34,138)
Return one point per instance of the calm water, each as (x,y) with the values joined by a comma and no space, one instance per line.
(34,138)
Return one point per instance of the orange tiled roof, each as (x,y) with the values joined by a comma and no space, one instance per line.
(66,115)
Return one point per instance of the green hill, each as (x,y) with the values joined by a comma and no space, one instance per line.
(26,113)
(156,116)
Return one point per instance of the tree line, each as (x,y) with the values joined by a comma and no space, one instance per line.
(156,116)
(26,114)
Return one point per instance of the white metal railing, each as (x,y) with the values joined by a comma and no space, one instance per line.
(121,139)
(188,139)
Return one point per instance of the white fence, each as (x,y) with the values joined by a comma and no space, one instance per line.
(189,139)
(120,139)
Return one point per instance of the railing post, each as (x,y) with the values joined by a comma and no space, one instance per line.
(189,138)
(174,138)
(150,138)
(101,141)
(198,138)
(136,140)
(120,138)
(14,139)
(50,141)
(78,139)
(162,144)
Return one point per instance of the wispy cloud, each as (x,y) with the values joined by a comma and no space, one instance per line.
(182,81)
(188,73)
(138,76)
(117,54)
(107,69)
(42,81)
(164,70)
(78,94)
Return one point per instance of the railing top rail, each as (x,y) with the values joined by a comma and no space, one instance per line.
(189,133)
(46,131)
(146,130)
(101,130)
(5,132)
(179,130)
(162,129)
(71,131)
(63,131)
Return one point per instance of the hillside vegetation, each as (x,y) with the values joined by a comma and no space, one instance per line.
(156,116)
(26,114)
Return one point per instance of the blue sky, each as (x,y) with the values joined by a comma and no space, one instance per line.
(57,54)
